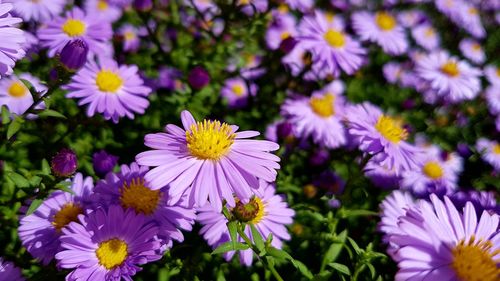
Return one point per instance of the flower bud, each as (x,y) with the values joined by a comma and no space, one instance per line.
(198,78)
(143,5)
(103,162)
(64,163)
(74,55)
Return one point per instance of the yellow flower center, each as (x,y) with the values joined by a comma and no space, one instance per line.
(209,139)
(391,129)
(284,35)
(429,32)
(251,212)
(450,68)
(112,253)
(334,38)
(323,106)
(17,89)
(433,170)
(496,148)
(498,72)
(74,28)
(108,81)
(283,8)
(68,213)
(102,5)
(238,90)
(476,47)
(129,35)
(329,17)
(385,21)
(137,196)
(473,261)
(473,11)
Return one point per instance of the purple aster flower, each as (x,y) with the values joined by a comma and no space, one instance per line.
(426,36)
(39,10)
(383,29)
(251,69)
(381,176)
(332,49)
(472,50)
(9,272)
(113,90)
(15,94)
(103,162)
(444,244)
(103,10)
(450,78)
(330,182)
(410,18)
(482,200)
(168,78)
(204,6)
(492,94)
(236,92)
(301,5)
(143,5)
(120,3)
(129,189)
(102,247)
(207,159)
(382,136)
(490,152)
(12,40)
(249,7)
(198,77)
(392,72)
(76,25)
(131,37)
(40,231)
(319,116)
(470,20)
(282,27)
(492,73)
(265,210)
(64,163)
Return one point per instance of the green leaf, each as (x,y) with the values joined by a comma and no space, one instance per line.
(355,213)
(355,246)
(46,167)
(303,269)
(51,113)
(340,268)
(257,238)
(14,127)
(65,186)
(34,205)
(228,246)
(232,227)
(372,269)
(334,250)
(19,180)
(280,254)
(5,115)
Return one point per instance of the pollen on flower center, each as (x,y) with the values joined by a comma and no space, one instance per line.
(137,196)
(17,89)
(238,90)
(429,32)
(391,129)
(323,106)
(108,81)
(284,35)
(112,253)
(433,170)
(74,28)
(496,149)
(334,38)
(473,261)
(209,140)
(251,212)
(68,213)
(385,21)
(102,5)
(450,68)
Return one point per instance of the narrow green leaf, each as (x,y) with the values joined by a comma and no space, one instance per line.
(354,213)
(35,181)
(19,180)
(340,268)
(51,113)
(34,205)
(228,246)
(5,115)
(257,238)
(372,269)
(65,186)
(232,227)
(14,127)
(280,254)
(355,246)
(303,269)
(45,167)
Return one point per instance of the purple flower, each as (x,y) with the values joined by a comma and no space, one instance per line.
(143,5)
(283,26)
(39,10)
(12,40)
(9,272)
(490,152)
(472,50)
(168,78)
(113,90)
(319,116)
(198,78)
(265,210)
(382,136)
(426,36)
(131,37)
(301,5)
(482,200)
(40,231)
(102,247)
(383,29)
(236,92)
(330,182)
(249,7)
(103,163)
(437,242)
(129,190)
(15,94)
(74,55)
(381,176)
(207,159)
(332,49)
(492,73)
(76,25)
(103,10)
(64,163)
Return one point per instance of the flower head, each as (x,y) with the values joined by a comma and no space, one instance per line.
(37,10)
(490,152)
(16,95)
(472,50)
(236,92)
(12,40)
(103,162)
(64,163)
(9,272)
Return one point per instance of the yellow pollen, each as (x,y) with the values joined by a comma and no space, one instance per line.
(476,47)
(335,39)
(473,261)
(260,213)
(238,90)
(498,72)
(129,35)
(323,106)
(433,170)
(68,213)
(108,81)
(112,253)
(74,28)
(209,140)
(102,5)
(137,196)
(429,32)
(330,17)
(450,68)
(283,8)
(391,129)
(496,149)
(17,89)
(244,2)
(473,11)
(284,35)
(385,21)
